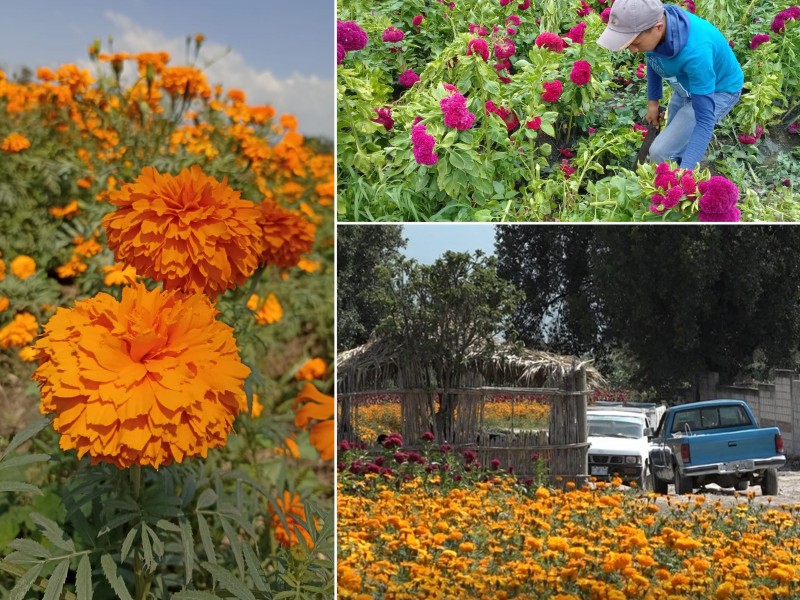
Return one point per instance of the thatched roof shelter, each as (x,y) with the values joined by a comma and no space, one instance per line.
(377,365)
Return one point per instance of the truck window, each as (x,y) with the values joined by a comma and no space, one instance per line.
(690,418)
(733,416)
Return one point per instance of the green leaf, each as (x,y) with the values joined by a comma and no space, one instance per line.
(126,545)
(194,595)
(255,569)
(548,129)
(23,460)
(207,498)
(235,542)
(187,540)
(55,584)
(25,434)
(147,549)
(53,532)
(228,581)
(29,547)
(18,486)
(205,538)
(117,521)
(114,578)
(83,581)
(25,582)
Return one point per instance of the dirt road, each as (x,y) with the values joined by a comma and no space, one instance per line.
(788,491)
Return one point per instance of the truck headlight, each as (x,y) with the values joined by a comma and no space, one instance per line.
(633,460)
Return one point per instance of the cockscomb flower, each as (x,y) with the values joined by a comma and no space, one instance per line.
(535,123)
(549,41)
(794,127)
(552,90)
(524,5)
(190,231)
(504,49)
(150,379)
(581,73)
(688,183)
(340,53)
(455,112)
(585,9)
(286,235)
(640,71)
(19,332)
(758,39)
(748,138)
(508,116)
(505,2)
(417,20)
(640,128)
(604,16)
(294,515)
(15,142)
(480,47)
(350,35)
(663,168)
(513,20)
(674,196)
(779,22)
(23,266)
(566,168)
(422,145)
(657,204)
(384,117)
(392,34)
(576,34)
(314,411)
(718,199)
(665,180)
(408,78)
(476,29)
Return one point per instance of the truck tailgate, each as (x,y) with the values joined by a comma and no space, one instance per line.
(731,446)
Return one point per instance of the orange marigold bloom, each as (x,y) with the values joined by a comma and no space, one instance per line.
(318,407)
(4,303)
(270,312)
(64,211)
(2,269)
(236,95)
(147,380)
(185,81)
(289,122)
(189,231)
(45,74)
(293,509)
(313,368)
(73,77)
(286,235)
(258,408)
(19,332)
(15,142)
(23,266)
(119,274)
(309,266)
(74,266)
(252,302)
(28,354)
(158,60)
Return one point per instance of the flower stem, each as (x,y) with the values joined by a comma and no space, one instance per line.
(142,579)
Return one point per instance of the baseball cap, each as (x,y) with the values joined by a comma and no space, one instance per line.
(628,18)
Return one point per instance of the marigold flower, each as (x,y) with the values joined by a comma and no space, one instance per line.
(285,235)
(23,267)
(4,303)
(189,231)
(258,408)
(2,268)
(147,380)
(270,311)
(318,407)
(313,368)
(119,274)
(64,211)
(185,81)
(27,354)
(19,332)
(309,266)
(15,142)
(252,302)
(294,512)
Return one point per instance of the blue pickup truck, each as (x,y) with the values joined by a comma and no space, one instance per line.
(717,441)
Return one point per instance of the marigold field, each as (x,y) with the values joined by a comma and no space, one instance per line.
(493,537)
(166,337)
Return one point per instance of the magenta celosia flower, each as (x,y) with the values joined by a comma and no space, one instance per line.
(350,35)
(665,180)
(480,47)
(524,5)
(576,33)
(674,196)
(450,87)
(552,90)
(427,436)
(566,168)
(688,183)
(392,34)
(417,20)
(747,138)
(455,112)
(535,123)
(549,41)
(476,29)
(504,49)
(384,117)
(689,5)
(423,143)
(779,22)
(505,2)
(502,65)
(794,127)
(718,199)
(511,31)
(581,73)
(640,70)
(504,113)
(585,9)
(513,20)
(605,15)
(566,152)
(663,168)
(408,78)
(641,128)
(340,53)
(657,204)
(393,440)
(758,39)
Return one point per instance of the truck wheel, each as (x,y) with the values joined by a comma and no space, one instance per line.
(659,485)
(769,483)
(683,485)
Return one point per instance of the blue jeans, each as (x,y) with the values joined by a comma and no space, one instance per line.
(673,139)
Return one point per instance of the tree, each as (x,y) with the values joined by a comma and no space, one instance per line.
(439,315)
(678,300)
(360,250)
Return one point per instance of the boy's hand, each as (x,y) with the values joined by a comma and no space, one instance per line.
(654,115)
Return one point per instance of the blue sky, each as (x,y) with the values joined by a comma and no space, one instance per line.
(281,53)
(428,241)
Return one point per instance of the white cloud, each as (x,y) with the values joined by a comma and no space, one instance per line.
(308,98)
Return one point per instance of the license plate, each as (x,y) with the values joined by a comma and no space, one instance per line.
(738,466)
(598,471)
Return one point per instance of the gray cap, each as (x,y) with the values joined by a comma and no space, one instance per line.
(628,18)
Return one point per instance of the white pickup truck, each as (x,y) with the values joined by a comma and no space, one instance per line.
(619,445)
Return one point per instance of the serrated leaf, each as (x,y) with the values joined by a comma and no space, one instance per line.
(147,548)
(113,577)
(228,581)
(205,538)
(207,498)
(31,548)
(126,545)
(83,580)
(165,525)
(235,542)
(117,521)
(25,434)
(255,569)
(187,541)
(53,532)
(23,460)
(18,486)
(25,582)
(55,583)
(194,595)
